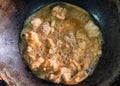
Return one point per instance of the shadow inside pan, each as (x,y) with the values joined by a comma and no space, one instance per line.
(3,83)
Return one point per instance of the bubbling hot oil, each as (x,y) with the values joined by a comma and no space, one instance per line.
(61,43)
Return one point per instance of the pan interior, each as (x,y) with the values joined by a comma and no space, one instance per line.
(76,23)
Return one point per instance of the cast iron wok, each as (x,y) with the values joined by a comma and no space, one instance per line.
(12,16)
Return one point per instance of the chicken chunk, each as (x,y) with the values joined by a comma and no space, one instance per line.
(70,38)
(33,39)
(86,63)
(66,74)
(92,29)
(54,63)
(52,44)
(46,28)
(80,76)
(37,63)
(80,35)
(52,50)
(55,78)
(59,12)
(53,22)
(36,22)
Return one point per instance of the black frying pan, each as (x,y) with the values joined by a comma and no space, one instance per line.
(12,16)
